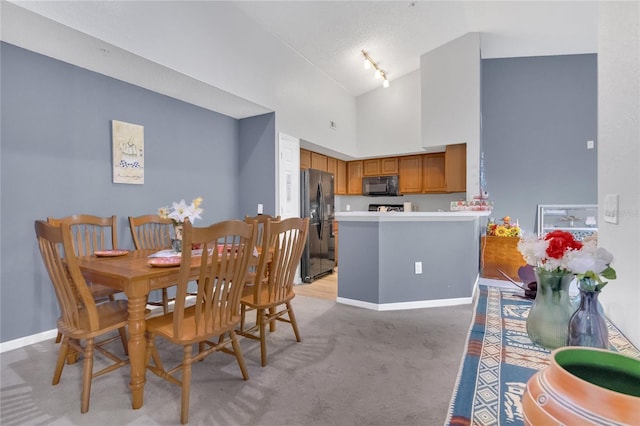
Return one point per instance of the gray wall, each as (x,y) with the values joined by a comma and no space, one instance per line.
(56,160)
(258,164)
(537,115)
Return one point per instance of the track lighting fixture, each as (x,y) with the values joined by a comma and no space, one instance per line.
(379,73)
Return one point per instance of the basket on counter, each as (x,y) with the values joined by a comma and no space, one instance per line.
(500,253)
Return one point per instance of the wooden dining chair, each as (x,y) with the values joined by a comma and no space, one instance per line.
(153,232)
(89,234)
(81,319)
(271,297)
(261,220)
(222,267)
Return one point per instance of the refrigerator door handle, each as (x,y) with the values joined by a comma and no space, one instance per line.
(320,210)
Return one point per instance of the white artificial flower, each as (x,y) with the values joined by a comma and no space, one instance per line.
(180,211)
(533,250)
(589,259)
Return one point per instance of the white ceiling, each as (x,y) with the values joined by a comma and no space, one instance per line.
(331,34)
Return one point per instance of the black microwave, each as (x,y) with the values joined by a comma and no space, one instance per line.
(379,186)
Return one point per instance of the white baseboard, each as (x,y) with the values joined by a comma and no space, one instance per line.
(28,340)
(405,305)
(50,334)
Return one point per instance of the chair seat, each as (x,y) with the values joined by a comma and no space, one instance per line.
(163,325)
(261,300)
(113,315)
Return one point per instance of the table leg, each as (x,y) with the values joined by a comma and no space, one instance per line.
(137,346)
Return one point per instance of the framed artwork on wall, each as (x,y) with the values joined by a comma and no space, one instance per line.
(128,152)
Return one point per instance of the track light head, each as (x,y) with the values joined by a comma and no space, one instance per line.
(379,73)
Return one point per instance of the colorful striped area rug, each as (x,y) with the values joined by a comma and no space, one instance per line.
(500,358)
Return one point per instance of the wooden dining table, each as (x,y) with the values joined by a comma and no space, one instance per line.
(133,275)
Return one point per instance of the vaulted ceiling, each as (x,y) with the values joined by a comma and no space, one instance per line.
(331,34)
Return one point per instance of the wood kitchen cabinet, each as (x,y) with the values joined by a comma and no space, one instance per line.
(340,181)
(456,167)
(339,176)
(354,177)
(433,173)
(380,166)
(305,159)
(410,171)
(318,161)
(331,167)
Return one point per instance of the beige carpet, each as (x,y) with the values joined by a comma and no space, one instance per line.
(353,367)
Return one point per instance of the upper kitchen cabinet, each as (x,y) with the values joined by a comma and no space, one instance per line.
(318,161)
(410,179)
(354,176)
(380,166)
(433,173)
(340,180)
(305,159)
(456,167)
(331,166)
(338,169)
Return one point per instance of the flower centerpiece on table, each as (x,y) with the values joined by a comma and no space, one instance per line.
(506,229)
(179,212)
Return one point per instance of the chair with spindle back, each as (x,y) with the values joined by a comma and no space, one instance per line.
(226,250)
(89,234)
(261,220)
(271,297)
(81,319)
(152,232)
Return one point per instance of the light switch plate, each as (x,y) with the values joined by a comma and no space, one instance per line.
(259,208)
(611,208)
(418,267)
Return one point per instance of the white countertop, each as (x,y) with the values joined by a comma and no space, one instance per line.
(366,216)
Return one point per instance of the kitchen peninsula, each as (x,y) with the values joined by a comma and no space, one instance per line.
(406,260)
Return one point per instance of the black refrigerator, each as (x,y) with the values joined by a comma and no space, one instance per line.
(316,198)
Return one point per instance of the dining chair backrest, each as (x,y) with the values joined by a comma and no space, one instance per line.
(284,240)
(77,305)
(151,232)
(261,219)
(226,249)
(90,233)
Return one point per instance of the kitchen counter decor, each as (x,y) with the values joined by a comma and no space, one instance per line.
(506,229)
(178,213)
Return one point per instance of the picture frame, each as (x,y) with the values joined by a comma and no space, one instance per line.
(127,152)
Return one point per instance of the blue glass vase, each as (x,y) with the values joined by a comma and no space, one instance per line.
(587,326)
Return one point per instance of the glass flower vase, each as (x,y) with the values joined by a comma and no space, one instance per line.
(587,326)
(548,320)
(176,243)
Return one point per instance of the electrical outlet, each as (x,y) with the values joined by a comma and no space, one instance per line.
(418,268)
(259,208)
